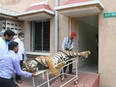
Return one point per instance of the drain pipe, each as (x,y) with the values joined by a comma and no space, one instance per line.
(56,26)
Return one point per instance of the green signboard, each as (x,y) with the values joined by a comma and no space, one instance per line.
(109,14)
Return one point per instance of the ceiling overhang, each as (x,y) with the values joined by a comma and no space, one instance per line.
(81,9)
(35,12)
(36,15)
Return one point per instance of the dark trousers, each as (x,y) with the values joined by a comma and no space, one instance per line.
(70,67)
(7,83)
(18,77)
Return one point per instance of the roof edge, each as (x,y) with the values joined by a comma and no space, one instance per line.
(35,11)
(40,3)
(79,4)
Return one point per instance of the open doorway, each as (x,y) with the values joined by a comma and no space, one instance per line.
(88,40)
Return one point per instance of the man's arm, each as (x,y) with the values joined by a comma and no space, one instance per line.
(18,68)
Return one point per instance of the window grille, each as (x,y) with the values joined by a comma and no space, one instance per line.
(41,36)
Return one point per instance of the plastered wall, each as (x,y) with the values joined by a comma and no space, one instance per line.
(107,46)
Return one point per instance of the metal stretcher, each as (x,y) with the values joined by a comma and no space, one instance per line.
(47,72)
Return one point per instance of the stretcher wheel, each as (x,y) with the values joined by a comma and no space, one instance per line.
(75,82)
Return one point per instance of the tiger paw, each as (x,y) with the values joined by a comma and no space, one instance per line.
(60,65)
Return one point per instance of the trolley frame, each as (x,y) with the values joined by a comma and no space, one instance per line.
(75,77)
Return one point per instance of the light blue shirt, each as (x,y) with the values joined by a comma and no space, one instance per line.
(3,46)
(67,43)
(9,65)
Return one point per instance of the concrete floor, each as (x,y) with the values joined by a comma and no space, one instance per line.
(88,68)
(38,80)
(91,68)
(82,82)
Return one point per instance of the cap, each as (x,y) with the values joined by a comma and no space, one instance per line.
(73,34)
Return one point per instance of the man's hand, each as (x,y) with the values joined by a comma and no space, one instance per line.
(34,74)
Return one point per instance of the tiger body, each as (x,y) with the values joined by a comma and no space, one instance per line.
(54,62)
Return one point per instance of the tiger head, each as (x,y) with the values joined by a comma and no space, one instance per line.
(30,66)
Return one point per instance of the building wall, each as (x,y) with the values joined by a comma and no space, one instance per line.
(64,30)
(27,31)
(75,28)
(107,46)
(52,35)
(8,2)
(51,3)
(64,26)
(61,2)
(18,5)
(107,32)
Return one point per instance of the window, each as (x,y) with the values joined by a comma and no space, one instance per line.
(41,36)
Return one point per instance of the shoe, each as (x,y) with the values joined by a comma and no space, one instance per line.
(19,81)
(62,77)
(65,76)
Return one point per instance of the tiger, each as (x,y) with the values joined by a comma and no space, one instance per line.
(53,62)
